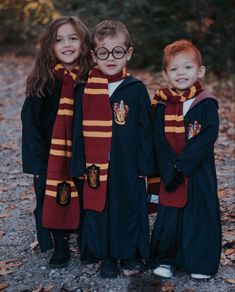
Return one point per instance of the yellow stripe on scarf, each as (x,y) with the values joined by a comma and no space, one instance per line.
(97,123)
(54,182)
(65,100)
(96,91)
(65,112)
(97,80)
(61,142)
(174,118)
(60,153)
(174,129)
(97,134)
(161,93)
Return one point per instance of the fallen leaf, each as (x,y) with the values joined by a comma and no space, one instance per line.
(11,207)
(229,251)
(39,289)
(3,215)
(27,195)
(167,287)
(230,280)
(2,233)
(34,245)
(3,286)
(7,266)
(48,288)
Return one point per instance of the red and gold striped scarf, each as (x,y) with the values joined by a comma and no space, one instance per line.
(174,130)
(65,214)
(174,119)
(97,131)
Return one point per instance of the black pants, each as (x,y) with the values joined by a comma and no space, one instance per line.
(43,235)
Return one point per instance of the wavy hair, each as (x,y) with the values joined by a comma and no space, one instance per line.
(41,79)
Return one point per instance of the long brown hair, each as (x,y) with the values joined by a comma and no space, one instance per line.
(41,79)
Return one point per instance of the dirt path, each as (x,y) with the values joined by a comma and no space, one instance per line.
(24,268)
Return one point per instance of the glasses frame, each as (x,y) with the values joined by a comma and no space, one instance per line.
(111,52)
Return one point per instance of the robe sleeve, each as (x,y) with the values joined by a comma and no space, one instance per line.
(34,150)
(78,165)
(165,155)
(145,145)
(198,147)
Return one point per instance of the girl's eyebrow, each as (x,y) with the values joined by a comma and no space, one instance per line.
(72,34)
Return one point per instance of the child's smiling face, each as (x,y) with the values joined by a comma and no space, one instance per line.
(67,47)
(183,71)
(111,65)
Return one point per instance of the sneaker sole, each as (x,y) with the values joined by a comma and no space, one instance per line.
(200,277)
(162,274)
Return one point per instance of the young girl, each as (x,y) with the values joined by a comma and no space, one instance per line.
(60,67)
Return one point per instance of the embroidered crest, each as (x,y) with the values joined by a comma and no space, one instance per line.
(193,129)
(93,176)
(120,112)
(63,196)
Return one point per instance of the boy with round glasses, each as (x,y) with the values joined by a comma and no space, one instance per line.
(117,141)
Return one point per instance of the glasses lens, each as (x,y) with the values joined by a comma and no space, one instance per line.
(102,53)
(118,52)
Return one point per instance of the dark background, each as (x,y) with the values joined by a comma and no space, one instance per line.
(152,25)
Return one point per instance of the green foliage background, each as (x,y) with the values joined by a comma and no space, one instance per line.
(152,24)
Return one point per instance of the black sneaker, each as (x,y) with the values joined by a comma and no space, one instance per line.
(61,254)
(109,268)
(59,260)
(133,265)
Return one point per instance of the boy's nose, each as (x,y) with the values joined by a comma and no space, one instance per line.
(110,57)
(180,71)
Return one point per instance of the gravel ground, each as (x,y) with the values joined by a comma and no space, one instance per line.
(25,267)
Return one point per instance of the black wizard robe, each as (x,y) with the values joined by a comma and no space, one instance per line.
(38,117)
(121,229)
(190,237)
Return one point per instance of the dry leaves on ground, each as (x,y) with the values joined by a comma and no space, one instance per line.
(8,266)
(3,286)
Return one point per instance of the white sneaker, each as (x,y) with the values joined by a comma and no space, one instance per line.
(164,271)
(200,276)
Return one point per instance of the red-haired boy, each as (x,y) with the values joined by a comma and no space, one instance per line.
(187,231)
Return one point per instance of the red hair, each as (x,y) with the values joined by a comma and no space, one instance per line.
(177,47)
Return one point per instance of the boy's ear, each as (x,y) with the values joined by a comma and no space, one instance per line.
(129,53)
(93,56)
(165,76)
(202,71)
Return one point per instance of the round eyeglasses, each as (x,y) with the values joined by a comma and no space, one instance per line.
(117,52)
